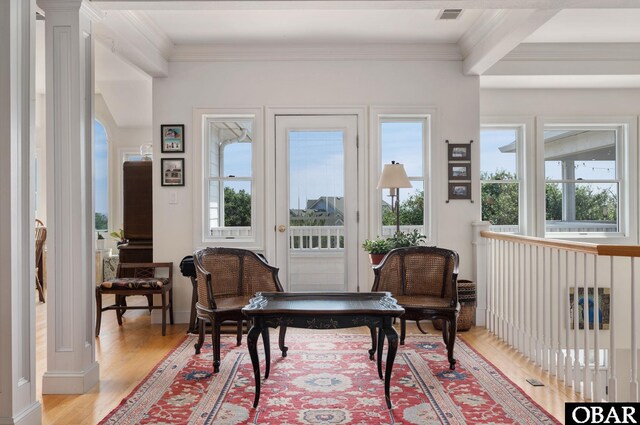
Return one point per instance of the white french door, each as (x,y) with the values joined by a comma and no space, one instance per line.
(316,201)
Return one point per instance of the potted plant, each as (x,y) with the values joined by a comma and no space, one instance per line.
(119,237)
(100,242)
(377,249)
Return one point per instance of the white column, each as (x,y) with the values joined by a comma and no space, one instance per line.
(18,403)
(71,363)
(480,269)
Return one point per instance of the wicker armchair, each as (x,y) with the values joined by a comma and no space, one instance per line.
(424,281)
(40,237)
(227,279)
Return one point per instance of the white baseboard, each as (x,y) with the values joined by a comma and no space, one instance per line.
(71,382)
(32,415)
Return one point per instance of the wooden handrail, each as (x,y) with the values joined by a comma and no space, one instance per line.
(587,248)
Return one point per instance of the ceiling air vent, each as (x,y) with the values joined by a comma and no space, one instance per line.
(449,14)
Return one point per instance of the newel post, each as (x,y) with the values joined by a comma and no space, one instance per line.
(481,269)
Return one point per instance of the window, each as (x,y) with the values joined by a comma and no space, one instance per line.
(403,139)
(101,177)
(583,178)
(500,177)
(229,185)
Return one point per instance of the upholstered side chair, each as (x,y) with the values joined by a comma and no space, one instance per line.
(227,279)
(141,279)
(424,281)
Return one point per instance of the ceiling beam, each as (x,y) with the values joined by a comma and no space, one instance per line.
(493,37)
(136,39)
(361,4)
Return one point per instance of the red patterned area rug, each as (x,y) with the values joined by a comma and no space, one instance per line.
(327,378)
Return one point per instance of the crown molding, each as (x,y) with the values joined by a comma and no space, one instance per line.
(575,52)
(361,4)
(350,52)
(148,28)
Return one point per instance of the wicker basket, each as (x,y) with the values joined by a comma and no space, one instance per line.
(467,299)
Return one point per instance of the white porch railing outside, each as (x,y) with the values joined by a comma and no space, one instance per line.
(530,299)
(564,226)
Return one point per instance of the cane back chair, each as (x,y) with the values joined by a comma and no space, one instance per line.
(227,279)
(424,281)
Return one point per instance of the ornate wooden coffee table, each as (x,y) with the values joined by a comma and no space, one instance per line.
(322,310)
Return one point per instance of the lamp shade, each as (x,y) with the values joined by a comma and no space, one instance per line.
(393,176)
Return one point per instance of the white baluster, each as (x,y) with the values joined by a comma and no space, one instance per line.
(576,348)
(586,381)
(568,371)
(634,340)
(613,382)
(596,331)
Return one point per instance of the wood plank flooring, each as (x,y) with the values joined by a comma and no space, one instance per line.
(127,354)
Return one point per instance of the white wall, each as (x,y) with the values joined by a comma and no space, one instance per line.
(558,102)
(438,84)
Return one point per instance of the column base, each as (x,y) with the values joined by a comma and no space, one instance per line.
(71,382)
(30,416)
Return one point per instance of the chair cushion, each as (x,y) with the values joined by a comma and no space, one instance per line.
(135,283)
(423,301)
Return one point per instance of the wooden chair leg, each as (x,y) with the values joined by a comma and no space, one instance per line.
(119,308)
(239,332)
(39,288)
(403,329)
(98,310)
(198,344)
(215,336)
(171,305)
(150,301)
(453,327)
(164,313)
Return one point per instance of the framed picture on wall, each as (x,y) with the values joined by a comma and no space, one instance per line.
(459,152)
(172,137)
(459,190)
(459,171)
(172,171)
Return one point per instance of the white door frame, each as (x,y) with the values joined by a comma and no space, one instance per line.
(362,283)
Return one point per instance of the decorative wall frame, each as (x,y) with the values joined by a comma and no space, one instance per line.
(459,170)
(459,190)
(172,171)
(172,138)
(459,152)
(604,307)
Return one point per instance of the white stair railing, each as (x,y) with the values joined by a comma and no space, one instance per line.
(535,301)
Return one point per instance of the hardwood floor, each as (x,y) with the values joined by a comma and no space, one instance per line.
(127,354)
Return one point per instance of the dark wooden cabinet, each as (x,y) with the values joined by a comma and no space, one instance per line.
(137,188)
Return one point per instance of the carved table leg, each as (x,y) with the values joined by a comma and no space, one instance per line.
(380,346)
(267,351)
(374,341)
(283,348)
(252,344)
(392,339)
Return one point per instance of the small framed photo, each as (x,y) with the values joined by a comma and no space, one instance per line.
(172,171)
(459,190)
(172,136)
(458,171)
(459,152)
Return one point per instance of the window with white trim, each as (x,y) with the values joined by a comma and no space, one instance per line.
(500,176)
(403,139)
(229,204)
(583,179)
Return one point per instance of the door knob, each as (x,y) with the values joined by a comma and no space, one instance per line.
(282,228)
